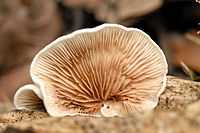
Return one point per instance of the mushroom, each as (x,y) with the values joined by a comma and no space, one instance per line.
(109,70)
(120,11)
(116,11)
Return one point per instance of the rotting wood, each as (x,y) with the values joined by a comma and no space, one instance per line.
(178,94)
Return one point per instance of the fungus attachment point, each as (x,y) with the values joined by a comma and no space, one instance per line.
(107,71)
(108,111)
(111,109)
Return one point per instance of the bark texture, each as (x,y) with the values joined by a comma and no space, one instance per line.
(178,94)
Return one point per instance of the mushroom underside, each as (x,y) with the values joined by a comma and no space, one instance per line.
(27,98)
(112,66)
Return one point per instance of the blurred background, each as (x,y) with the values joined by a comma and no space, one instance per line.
(26,26)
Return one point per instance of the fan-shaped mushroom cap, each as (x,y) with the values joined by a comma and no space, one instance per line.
(109,70)
(28,97)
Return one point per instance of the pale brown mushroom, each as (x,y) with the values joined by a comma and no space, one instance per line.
(87,4)
(120,11)
(117,11)
(109,70)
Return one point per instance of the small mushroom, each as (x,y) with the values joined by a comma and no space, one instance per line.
(106,71)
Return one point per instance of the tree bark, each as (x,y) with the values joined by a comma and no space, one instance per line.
(178,94)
